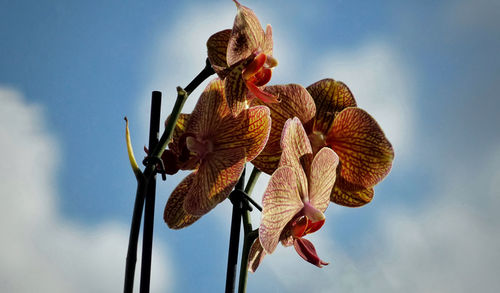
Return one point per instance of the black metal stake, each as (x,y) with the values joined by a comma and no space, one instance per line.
(149,210)
(234,238)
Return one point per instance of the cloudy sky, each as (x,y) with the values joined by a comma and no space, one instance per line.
(428,71)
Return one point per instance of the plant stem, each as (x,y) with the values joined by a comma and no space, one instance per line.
(150,170)
(234,237)
(247,228)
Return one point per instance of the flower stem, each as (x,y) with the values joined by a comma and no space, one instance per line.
(150,170)
(247,228)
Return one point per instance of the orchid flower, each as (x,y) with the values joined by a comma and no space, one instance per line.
(216,145)
(365,154)
(242,57)
(296,197)
(295,102)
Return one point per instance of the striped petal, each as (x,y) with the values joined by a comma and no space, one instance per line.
(255,256)
(295,102)
(174,215)
(236,90)
(249,130)
(217,51)
(330,97)
(350,195)
(214,180)
(180,128)
(209,110)
(322,178)
(246,36)
(280,203)
(296,153)
(365,153)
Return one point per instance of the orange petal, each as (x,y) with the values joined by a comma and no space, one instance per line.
(280,203)
(236,90)
(365,153)
(330,97)
(322,178)
(246,36)
(214,180)
(217,51)
(249,130)
(261,78)
(209,111)
(174,215)
(254,66)
(351,196)
(255,256)
(296,153)
(295,102)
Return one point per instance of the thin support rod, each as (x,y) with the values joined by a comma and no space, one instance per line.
(149,210)
(234,238)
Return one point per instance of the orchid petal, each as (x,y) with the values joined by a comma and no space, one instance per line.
(299,226)
(174,215)
(255,256)
(306,250)
(330,97)
(314,226)
(267,45)
(217,51)
(350,195)
(236,90)
(177,156)
(364,152)
(262,95)
(216,177)
(246,36)
(312,213)
(209,110)
(249,130)
(280,203)
(253,67)
(296,153)
(179,131)
(262,78)
(322,178)
(295,102)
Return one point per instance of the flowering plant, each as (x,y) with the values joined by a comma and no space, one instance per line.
(315,143)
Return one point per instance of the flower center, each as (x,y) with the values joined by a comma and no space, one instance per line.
(258,72)
(318,140)
(302,226)
(201,147)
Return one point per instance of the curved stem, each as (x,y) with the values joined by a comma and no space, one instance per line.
(248,237)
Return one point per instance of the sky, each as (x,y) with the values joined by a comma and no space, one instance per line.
(70,71)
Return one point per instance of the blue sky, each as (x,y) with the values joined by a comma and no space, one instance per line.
(427,71)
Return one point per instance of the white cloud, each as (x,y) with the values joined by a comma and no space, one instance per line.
(40,249)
